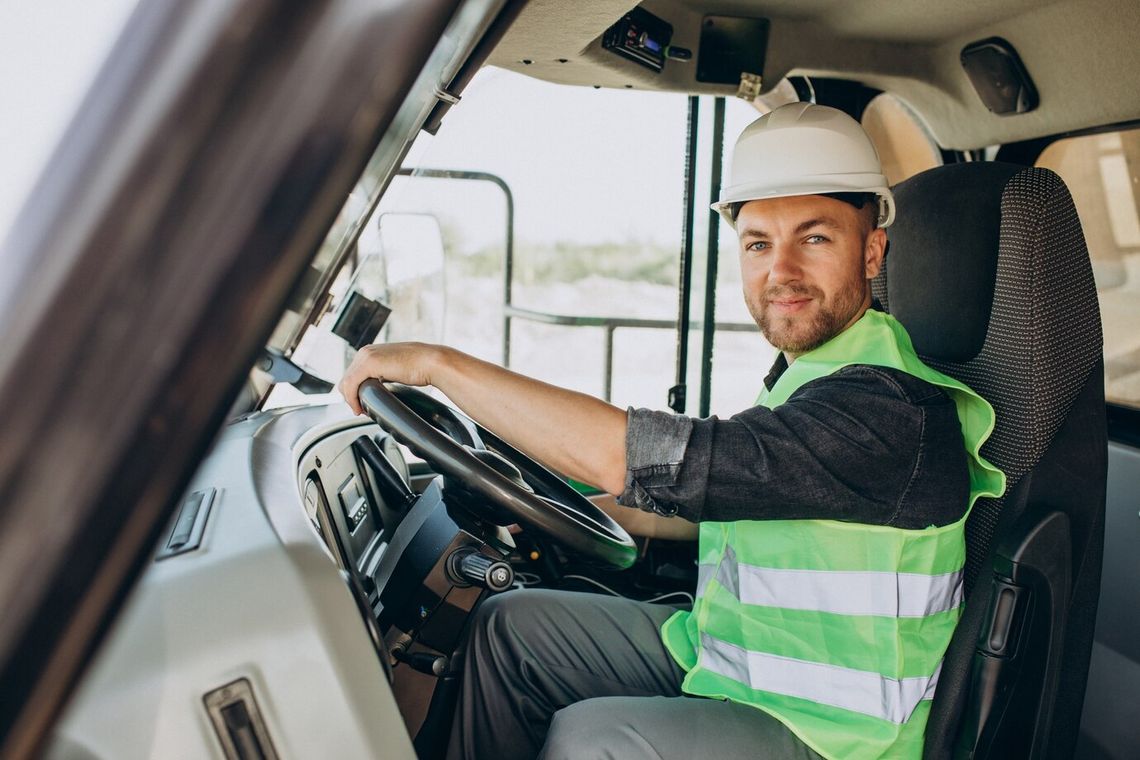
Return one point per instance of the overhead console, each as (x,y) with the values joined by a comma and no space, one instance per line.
(731,50)
(673,45)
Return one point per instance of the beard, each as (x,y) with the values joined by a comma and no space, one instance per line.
(800,333)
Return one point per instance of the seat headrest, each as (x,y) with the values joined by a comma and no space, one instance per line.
(989,273)
(943,262)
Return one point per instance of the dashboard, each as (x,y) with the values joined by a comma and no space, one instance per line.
(343,499)
(299,567)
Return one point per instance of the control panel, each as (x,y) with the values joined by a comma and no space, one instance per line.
(641,37)
(352,502)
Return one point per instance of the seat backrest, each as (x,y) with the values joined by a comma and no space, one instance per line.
(989,272)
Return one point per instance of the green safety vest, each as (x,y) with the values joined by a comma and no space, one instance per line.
(837,629)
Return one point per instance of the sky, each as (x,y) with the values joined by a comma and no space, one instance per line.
(584,164)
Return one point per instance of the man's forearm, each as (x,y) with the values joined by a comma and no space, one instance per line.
(638,522)
(573,433)
(570,432)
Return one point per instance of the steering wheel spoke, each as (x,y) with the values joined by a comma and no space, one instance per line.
(452,443)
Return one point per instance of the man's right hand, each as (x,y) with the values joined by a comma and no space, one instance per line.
(407,363)
(570,432)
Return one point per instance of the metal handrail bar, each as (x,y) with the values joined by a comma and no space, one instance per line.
(509,241)
(574,320)
(611,324)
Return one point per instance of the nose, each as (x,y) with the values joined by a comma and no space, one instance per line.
(785,265)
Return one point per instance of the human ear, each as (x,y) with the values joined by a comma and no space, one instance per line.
(873,252)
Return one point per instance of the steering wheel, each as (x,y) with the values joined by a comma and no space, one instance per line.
(457,448)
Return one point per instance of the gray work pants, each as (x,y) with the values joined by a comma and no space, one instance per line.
(561,675)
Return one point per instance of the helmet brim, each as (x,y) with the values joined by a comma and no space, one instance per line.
(839,183)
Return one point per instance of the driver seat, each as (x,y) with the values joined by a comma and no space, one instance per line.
(989,272)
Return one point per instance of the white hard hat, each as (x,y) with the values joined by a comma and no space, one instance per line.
(804,149)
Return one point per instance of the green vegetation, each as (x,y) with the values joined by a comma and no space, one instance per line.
(569,262)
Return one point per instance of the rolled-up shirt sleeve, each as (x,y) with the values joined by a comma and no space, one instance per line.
(847,448)
(656,444)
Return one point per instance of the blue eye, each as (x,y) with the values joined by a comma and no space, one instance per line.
(817,239)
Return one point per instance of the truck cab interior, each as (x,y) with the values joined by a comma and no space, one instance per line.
(205,554)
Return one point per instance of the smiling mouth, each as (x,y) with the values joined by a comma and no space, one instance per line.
(790,304)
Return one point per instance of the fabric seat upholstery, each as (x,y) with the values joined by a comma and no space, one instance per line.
(989,271)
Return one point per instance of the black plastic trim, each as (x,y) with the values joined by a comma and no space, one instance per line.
(679,392)
(1123,424)
(712,248)
(1017,661)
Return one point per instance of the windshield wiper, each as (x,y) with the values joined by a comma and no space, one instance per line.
(282,370)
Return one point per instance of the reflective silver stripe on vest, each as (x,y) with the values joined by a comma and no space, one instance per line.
(843,592)
(704,575)
(860,691)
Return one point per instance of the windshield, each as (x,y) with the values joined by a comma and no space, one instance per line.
(537,211)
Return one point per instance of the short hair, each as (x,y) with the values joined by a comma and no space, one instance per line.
(860,201)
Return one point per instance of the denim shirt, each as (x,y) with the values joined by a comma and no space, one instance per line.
(865,444)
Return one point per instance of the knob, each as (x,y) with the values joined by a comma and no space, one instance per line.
(423,662)
(470,568)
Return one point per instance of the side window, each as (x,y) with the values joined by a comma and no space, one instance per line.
(904,145)
(1102,172)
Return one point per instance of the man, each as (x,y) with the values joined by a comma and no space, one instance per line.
(831,514)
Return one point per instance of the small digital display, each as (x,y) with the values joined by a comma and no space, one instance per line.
(352,502)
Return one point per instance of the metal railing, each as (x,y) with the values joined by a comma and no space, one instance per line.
(609,325)
(708,326)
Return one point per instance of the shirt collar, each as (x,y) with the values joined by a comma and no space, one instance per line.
(777,370)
